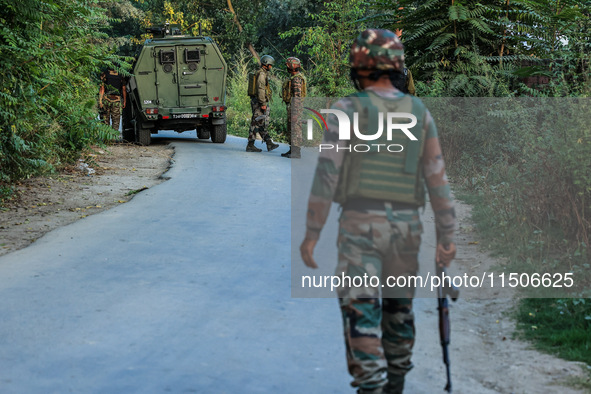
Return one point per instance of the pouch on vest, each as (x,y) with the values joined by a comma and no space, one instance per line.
(252,84)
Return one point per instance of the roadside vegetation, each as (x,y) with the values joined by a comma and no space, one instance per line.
(527,173)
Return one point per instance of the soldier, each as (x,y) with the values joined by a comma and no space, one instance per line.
(294,90)
(259,102)
(380,229)
(110,93)
(404,81)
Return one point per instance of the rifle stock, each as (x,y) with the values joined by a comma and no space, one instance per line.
(443,291)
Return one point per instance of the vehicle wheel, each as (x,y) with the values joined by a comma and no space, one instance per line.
(127,129)
(218,133)
(203,134)
(143,135)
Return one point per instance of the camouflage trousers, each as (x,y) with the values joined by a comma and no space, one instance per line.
(259,121)
(378,321)
(111,112)
(294,123)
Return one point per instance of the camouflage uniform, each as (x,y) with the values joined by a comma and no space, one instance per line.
(260,117)
(111,92)
(377,237)
(296,84)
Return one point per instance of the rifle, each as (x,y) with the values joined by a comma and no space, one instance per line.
(444,290)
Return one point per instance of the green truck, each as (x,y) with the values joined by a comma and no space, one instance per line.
(178,83)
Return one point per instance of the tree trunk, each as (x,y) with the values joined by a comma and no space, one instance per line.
(237,23)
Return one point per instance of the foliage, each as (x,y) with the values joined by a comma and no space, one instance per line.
(328,43)
(559,326)
(48,83)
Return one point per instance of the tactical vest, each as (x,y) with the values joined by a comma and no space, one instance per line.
(286,90)
(383,175)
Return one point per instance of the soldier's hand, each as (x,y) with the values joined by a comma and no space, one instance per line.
(307,252)
(444,254)
(263,107)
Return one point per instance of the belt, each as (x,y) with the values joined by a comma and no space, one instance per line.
(369,204)
(113,97)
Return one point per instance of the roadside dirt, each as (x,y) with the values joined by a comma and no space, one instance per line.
(100,180)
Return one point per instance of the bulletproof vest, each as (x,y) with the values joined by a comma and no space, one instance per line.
(380,174)
(286,89)
(399,80)
(113,83)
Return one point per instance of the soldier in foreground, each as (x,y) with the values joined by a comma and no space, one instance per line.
(111,92)
(380,229)
(259,102)
(294,90)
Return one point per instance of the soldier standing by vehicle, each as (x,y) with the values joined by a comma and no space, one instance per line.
(294,90)
(260,93)
(110,93)
(380,229)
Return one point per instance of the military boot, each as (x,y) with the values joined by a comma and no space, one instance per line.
(251,148)
(395,384)
(287,154)
(270,144)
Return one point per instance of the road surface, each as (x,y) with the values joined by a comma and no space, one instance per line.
(187,288)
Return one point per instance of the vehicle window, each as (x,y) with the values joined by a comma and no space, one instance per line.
(192,56)
(167,56)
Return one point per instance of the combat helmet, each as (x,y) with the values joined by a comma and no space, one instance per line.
(293,63)
(267,60)
(377,49)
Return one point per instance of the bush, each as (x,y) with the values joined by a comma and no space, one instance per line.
(48,84)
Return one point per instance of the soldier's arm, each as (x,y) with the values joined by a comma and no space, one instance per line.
(325,181)
(261,88)
(124,90)
(101,94)
(438,185)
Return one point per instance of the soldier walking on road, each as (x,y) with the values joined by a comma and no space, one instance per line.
(293,92)
(380,229)
(259,102)
(110,93)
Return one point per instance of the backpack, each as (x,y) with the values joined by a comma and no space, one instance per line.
(286,90)
(252,84)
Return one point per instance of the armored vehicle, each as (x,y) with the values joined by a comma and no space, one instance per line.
(178,83)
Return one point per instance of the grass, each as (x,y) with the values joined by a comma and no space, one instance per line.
(560,326)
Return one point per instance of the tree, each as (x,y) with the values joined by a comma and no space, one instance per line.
(328,43)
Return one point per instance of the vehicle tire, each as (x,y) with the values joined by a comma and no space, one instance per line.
(218,133)
(127,129)
(203,134)
(143,135)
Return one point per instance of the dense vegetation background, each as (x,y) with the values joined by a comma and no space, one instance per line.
(529,179)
